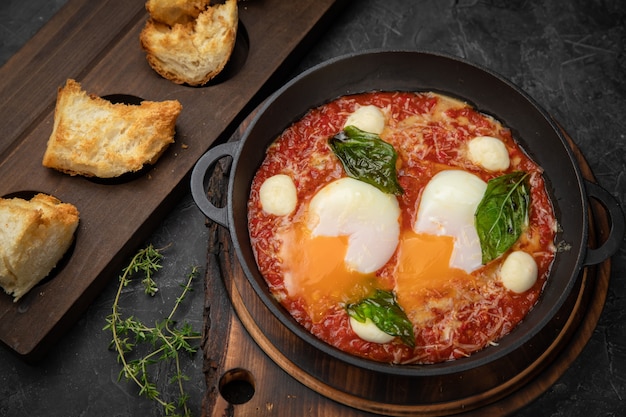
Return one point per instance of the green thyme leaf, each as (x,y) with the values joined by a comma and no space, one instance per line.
(383,309)
(366,157)
(502,214)
(166,340)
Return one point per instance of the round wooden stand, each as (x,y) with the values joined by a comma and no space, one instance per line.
(242,334)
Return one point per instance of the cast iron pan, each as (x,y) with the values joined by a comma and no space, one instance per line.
(532,127)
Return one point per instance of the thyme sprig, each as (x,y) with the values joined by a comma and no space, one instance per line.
(165,340)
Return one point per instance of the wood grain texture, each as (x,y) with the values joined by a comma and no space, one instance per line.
(97,43)
(290,376)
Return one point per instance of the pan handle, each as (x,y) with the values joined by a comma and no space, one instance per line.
(199,179)
(616,234)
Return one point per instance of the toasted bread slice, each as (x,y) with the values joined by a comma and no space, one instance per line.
(93,137)
(192,53)
(34,236)
(172,12)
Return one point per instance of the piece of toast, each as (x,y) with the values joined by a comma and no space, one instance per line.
(195,52)
(95,138)
(34,236)
(171,12)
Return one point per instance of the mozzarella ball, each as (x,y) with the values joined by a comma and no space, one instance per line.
(519,272)
(278,195)
(367,118)
(489,153)
(369,331)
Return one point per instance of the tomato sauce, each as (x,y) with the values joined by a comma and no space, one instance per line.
(428,131)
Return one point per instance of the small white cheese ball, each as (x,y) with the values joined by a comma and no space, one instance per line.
(369,331)
(367,118)
(278,195)
(519,271)
(489,153)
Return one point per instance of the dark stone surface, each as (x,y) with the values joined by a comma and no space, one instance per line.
(570,56)
(19,20)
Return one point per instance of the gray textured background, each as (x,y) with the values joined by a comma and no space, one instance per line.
(570,56)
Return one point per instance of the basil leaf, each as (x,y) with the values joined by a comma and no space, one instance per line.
(502,214)
(386,314)
(366,157)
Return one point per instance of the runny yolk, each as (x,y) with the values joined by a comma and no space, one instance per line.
(423,268)
(315,270)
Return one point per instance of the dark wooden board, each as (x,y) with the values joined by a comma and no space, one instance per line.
(97,43)
(244,343)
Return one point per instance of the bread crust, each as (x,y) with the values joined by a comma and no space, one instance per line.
(96,138)
(171,12)
(194,52)
(34,236)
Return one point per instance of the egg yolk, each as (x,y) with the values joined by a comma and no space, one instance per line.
(315,270)
(423,269)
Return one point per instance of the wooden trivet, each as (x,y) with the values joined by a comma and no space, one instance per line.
(247,374)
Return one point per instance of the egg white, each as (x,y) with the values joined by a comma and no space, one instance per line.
(447,208)
(369,217)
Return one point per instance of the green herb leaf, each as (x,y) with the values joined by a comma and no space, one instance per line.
(383,309)
(366,157)
(502,214)
(166,341)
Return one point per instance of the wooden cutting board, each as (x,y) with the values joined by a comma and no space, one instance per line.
(97,43)
(255,366)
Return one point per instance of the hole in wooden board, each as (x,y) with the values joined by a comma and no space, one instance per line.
(61,264)
(121,179)
(123,99)
(237,386)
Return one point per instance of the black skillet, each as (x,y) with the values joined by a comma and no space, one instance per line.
(532,127)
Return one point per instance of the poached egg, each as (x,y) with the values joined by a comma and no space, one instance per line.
(443,247)
(348,231)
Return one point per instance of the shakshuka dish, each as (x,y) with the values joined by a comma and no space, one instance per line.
(402,227)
